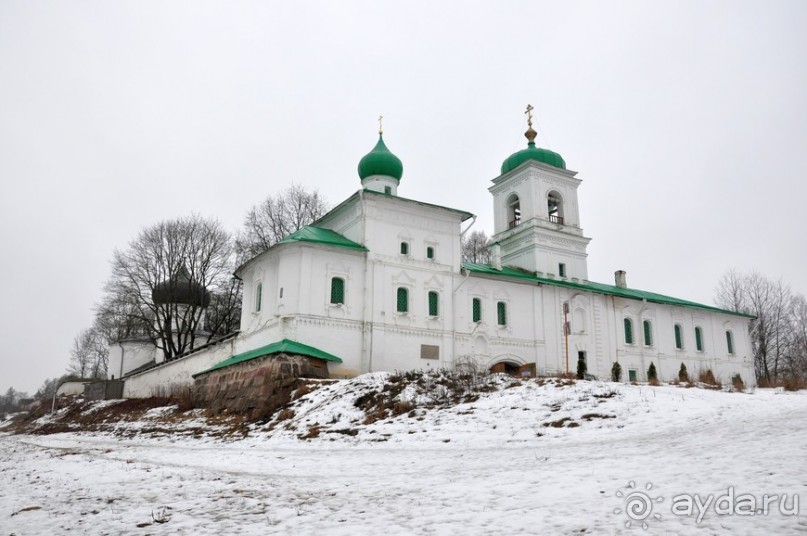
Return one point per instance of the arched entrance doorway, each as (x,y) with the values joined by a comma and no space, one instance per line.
(506,367)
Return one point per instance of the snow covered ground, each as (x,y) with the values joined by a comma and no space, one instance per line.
(533,458)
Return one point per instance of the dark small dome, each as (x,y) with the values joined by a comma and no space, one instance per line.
(181,289)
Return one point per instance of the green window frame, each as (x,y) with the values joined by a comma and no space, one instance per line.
(632,375)
(730,342)
(258,297)
(628,323)
(562,269)
(647,327)
(434,303)
(388,190)
(698,339)
(429,252)
(476,309)
(337,290)
(402,298)
(404,248)
(679,337)
(501,313)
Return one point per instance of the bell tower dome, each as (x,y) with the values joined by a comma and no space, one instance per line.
(536,215)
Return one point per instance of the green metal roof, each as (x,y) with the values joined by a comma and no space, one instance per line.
(380,161)
(318,235)
(285,346)
(611,290)
(533,153)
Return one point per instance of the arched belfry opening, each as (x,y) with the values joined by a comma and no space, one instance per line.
(513,211)
(554,205)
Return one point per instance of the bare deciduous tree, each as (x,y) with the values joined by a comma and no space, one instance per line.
(780,319)
(89,355)
(277,217)
(475,248)
(186,261)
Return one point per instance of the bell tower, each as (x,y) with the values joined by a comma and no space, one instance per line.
(536,215)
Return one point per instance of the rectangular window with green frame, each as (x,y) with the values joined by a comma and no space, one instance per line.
(699,339)
(679,338)
(501,313)
(258,297)
(434,303)
(476,306)
(730,342)
(337,290)
(403,300)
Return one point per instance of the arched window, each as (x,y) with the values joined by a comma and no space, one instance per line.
(258,297)
(648,333)
(501,313)
(476,306)
(337,290)
(404,248)
(730,342)
(513,211)
(554,205)
(699,339)
(679,337)
(403,300)
(434,303)
(628,331)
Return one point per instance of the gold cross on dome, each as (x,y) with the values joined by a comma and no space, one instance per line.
(529,115)
(380,129)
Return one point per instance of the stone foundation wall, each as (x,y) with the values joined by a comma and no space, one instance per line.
(256,387)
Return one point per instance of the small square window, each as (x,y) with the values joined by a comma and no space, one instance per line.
(632,375)
(388,190)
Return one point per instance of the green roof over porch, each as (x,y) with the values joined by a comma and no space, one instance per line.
(283,347)
(319,235)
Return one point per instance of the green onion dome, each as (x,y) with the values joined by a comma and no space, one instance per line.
(532,152)
(380,161)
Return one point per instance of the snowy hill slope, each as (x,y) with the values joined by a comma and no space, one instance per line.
(401,454)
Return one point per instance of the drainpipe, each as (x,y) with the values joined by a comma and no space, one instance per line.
(122,350)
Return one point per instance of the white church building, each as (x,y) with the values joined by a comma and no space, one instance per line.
(378,284)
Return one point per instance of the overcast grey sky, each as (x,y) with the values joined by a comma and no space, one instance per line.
(687,122)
